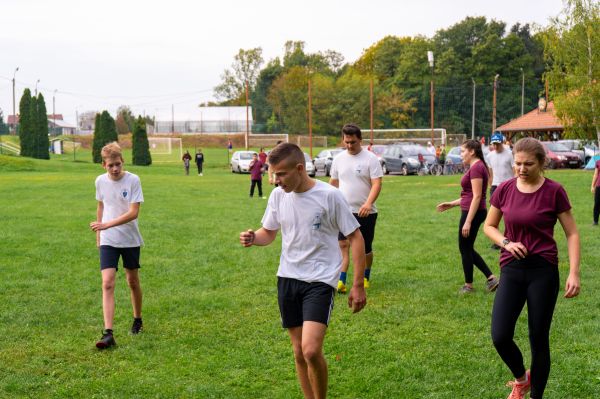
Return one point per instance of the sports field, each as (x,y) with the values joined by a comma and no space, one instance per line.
(210,311)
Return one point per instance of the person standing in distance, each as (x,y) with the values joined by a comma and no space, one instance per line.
(596,192)
(358,175)
(187,158)
(501,165)
(530,205)
(309,213)
(199,161)
(119,195)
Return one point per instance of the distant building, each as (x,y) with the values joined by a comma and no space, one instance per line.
(56,124)
(210,120)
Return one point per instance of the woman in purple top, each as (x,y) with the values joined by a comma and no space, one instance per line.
(256,170)
(530,204)
(473,212)
(595,184)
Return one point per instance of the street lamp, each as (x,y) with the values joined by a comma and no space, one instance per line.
(522,91)
(38,81)
(431,92)
(14,124)
(494,103)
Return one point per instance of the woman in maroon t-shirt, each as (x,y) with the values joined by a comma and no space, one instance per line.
(595,185)
(473,212)
(530,205)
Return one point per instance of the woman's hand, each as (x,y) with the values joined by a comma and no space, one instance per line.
(572,286)
(444,206)
(466,230)
(516,249)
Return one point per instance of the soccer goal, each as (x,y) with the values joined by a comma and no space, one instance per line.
(165,145)
(416,136)
(266,140)
(317,141)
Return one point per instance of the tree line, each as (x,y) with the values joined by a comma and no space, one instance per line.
(468,55)
(106,131)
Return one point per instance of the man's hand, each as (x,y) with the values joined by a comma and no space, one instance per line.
(357,299)
(97,226)
(365,210)
(247,238)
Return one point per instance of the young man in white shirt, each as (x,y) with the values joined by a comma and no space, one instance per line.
(309,214)
(501,165)
(119,195)
(358,175)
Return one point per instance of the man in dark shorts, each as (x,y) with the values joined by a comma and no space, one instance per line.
(309,214)
(358,175)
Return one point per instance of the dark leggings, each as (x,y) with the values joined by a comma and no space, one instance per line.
(256,183)
(596,204)
(533,280)
(469,256)
(199,165)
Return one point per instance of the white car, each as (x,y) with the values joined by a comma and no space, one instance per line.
(310,166)
(240,161)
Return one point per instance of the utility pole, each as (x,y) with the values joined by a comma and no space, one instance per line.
(431,93)
(247,117)
(14,124)
(54,108)
(371,104)
(172,118)
(36,83)
(494,103)
(473,117)
(309,117)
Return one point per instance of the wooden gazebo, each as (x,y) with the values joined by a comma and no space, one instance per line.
(541,122)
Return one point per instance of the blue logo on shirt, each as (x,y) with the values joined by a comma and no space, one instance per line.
(124,193)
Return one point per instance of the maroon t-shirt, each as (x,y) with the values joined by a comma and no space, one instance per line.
(598,168)
(476,171)
(256,170)
(529,218)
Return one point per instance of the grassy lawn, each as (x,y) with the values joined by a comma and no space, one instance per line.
(211,322)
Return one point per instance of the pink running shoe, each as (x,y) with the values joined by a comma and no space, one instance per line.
(519,389)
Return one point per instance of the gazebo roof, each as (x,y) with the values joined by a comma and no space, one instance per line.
(534,121)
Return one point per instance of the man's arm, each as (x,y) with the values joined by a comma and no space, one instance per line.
(357,299)
(334,182)
(261,237)
(131,214)
(99,213)
(365,209)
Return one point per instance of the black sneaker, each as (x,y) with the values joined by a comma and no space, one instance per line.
(137,326)
(106,341)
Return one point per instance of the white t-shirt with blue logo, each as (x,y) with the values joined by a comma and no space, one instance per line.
(354,173)
(309,224)
(117,195)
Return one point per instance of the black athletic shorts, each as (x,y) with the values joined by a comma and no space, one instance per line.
(109,257)
(367,229)
(300,301)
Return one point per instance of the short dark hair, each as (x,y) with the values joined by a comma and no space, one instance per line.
(351,129)
(286,152)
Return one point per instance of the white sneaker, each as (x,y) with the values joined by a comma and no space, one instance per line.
(201,174)
(264,197)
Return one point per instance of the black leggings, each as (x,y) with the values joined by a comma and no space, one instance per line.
(533,280)
(596,204)
(469,256)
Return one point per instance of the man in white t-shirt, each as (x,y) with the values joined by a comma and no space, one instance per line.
(358,175)
(119,195)
(309,214)
(501,165)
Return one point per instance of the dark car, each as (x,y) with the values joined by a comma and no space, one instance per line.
(323,160)
(560,156)
(400,158)
(378,150)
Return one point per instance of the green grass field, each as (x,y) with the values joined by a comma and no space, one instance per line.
(210,311)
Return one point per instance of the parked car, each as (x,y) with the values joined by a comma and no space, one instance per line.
(377,149)
(401,158)
(560,156)
(323,160)
(310,166)
(240,161)
(575,146)
(590,150)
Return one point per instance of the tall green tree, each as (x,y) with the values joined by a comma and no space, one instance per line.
(245,68)
(140,146)
(105,132)
(572,50)
(42,142)
(26,124)
(3,126)
(125,120)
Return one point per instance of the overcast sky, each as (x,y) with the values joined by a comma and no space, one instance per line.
(151,54)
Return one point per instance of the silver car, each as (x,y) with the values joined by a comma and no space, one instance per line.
(240,161)
(310,166)
(324,158)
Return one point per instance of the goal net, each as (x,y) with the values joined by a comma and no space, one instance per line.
(164,146)
(266,140)
(317,141)
(417,136)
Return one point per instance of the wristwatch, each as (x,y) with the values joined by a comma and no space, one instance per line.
(505,242)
